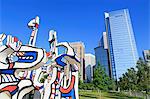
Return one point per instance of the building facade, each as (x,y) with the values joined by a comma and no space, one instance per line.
(89,63)
(79,50)
(146,55)
(101,54)
(121,42)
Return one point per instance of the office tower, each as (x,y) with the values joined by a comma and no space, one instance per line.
(146,55)
(121,42)
(79,50)
(101,54)
(89,63)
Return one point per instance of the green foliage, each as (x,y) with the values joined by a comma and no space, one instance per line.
(45,75)
(100,81)
(136,79)
(143,74)
(42,80)
(86,94)
(86,86)
(129,80)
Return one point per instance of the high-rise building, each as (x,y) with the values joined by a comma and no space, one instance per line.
(89,63)
(146,54)
(121,42)
(101,54)
(79,50)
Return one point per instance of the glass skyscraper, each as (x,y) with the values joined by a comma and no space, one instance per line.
(102,58)
(121,42)
(101,54)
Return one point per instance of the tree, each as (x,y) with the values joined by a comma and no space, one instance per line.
(132,79)
(136,80)
(143,74)
(123,82)
(100,79)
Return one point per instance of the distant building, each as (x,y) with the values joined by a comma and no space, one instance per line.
(79,50)
(101,54)
(89,63)
(121,42)
(146,54)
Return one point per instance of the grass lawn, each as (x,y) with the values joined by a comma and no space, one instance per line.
(103,95)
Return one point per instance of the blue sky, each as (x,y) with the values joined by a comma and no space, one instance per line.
(74,20)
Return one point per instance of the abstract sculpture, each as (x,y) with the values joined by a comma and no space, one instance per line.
(26,68)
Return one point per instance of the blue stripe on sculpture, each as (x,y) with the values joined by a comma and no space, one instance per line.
(7,71)
(32,54)
(60,62)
